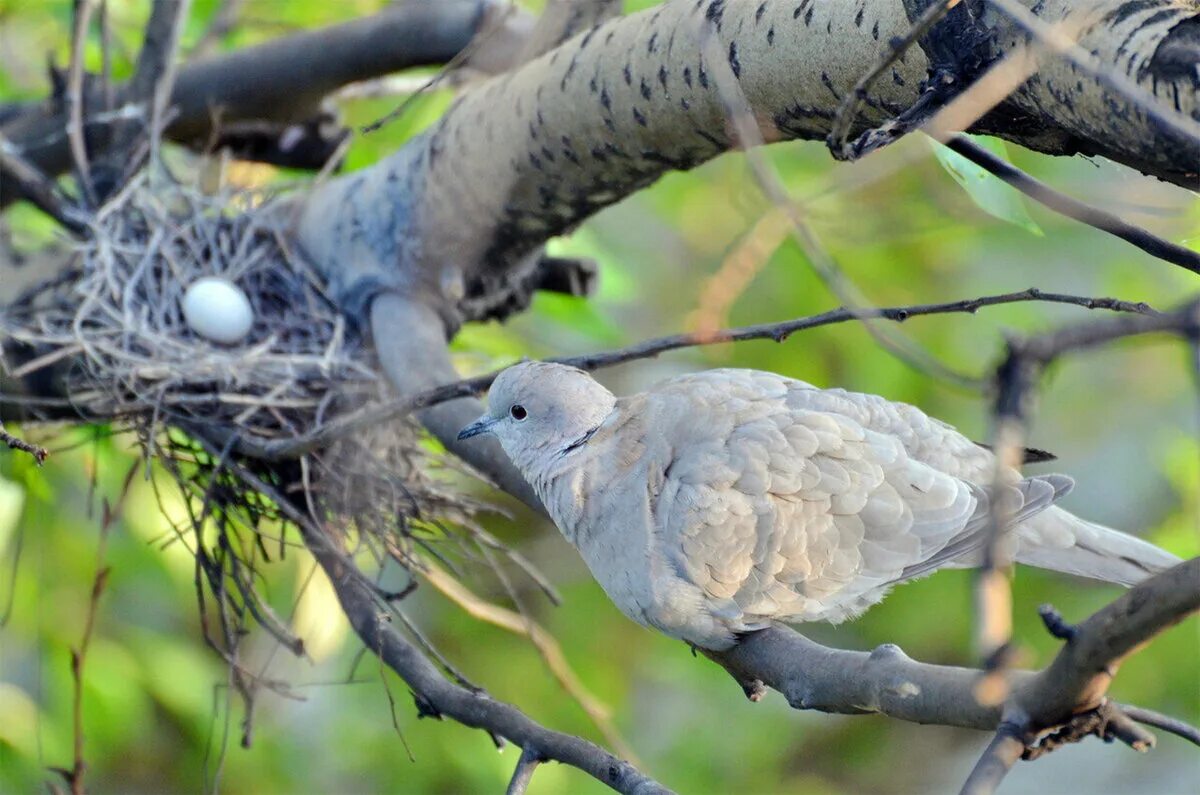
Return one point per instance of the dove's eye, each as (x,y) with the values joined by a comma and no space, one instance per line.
(518,412)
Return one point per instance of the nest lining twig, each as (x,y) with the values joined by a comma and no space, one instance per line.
(114,334)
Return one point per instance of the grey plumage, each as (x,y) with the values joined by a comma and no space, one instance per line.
(717,502)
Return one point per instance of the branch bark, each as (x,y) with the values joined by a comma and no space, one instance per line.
(282,80)
(434,694)
(458,212)
(886,681)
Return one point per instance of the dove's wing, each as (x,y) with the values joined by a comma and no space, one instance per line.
(776,510)
(1053,538)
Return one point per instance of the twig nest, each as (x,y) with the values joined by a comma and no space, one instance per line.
(218,310)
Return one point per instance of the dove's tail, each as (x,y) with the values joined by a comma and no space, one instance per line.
(1058,540)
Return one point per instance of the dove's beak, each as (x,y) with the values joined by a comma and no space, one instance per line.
(481,425)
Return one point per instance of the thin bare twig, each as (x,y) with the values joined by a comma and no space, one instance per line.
(74,776)
(493,24)
(843,120)
(435,694)
(1165,722)
(75,100)
(523,774)
(39,453)
(1072,208)
(37,188)
(543,642)
(749,134)
(278,450)
(1001,754)
(151,84)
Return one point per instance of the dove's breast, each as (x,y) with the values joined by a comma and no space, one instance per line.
(601,497)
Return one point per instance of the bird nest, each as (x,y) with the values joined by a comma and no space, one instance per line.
(111,336)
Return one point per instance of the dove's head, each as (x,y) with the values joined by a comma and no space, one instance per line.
(539,408)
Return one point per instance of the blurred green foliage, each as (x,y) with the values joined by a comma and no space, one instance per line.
(157,710)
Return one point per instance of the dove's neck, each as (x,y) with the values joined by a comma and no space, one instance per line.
(564,474)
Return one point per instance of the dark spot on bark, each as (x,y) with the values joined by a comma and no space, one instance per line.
(535,161)
(608,39)
(1126,10)
(771,36)
(683,103)
(639,117)
(628,72)
(808,15)
(662,76)
(546,153)
(675,163)
(605,99)
(645,90)
(875,31)
(897,78)
(570,71)
(828,83)
(592,86)
(541,120)
(858,18)
(734,63)
(532,132)
(702,76)
(587,37)
(712,139)
(716,10)
(687,76)
(1176,55)
(758,13)
(652,44)
(598,154)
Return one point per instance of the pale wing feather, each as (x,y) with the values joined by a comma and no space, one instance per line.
(786,512)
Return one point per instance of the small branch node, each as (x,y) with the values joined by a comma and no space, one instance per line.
(40,454)
(1055,624)
(526,765)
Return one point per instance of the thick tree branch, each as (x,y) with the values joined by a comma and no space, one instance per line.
(435,695)
(888,682)
(530,154)
(281,81)
(563,19)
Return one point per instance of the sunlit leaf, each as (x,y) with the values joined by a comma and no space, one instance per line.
(992,194)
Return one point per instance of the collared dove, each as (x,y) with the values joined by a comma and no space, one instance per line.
(715,503)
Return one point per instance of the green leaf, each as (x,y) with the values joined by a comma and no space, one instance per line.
(992,194)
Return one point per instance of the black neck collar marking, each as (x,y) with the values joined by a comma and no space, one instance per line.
(580,442)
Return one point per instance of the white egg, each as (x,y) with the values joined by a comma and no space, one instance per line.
(217,309)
